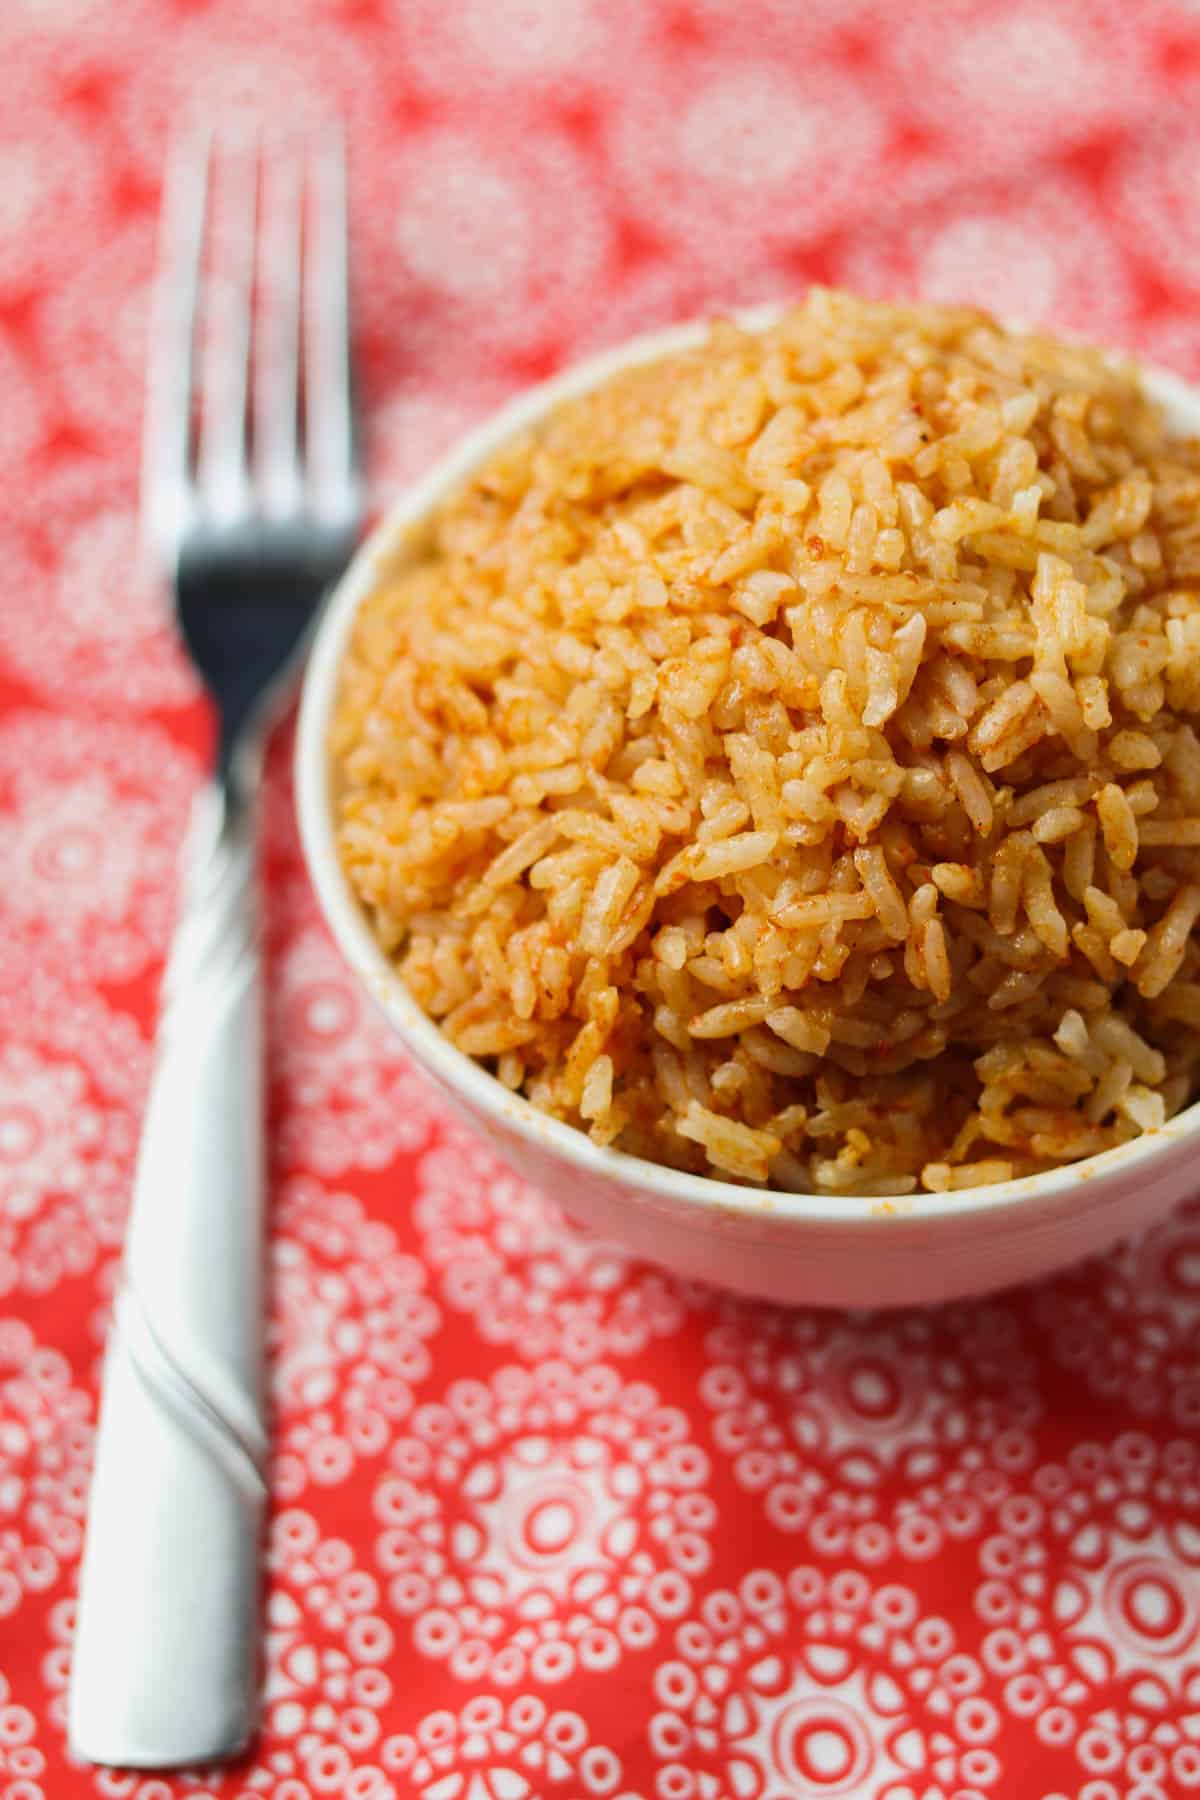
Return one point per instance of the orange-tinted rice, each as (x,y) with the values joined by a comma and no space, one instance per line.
(783,763)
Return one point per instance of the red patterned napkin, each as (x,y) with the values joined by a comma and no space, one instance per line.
(548,1523)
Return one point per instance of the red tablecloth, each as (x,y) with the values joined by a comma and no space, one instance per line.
(547,1523)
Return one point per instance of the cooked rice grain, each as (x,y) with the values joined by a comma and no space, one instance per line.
(783,763)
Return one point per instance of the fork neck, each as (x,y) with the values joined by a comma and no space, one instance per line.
(236,777)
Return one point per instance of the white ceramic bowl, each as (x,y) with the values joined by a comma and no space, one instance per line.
(816,1249)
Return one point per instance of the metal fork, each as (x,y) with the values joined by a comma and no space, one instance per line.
(253,509)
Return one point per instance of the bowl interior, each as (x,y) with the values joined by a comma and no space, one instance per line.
(397,538)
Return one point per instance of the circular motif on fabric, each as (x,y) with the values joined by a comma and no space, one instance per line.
(21,1761)
(66,1159)
(349,1336)
(818,1685)
(1128,1328)
(837,30)
(551,37)
(500,1749)
(93,815)
(100,629)
(544,1522)
(1152,180)
(503,1254)
(1040,254)
(460,218)
(45,1464)
(1008,83)
(349,1099)
(263,64)
(1089,1596)
(870,1436)
(93,324)
(1151,1606)
(45,175)
(744,153)
(473,54)
(72,1081)
(1118,1577)
(821,1746)
(328,1652)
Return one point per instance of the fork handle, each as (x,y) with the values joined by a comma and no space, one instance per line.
(164,1669)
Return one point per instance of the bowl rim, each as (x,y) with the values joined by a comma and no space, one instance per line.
(342,912)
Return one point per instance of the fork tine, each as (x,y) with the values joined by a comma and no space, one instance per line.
(277,345)
(223,469)
(330,447)
(167,424)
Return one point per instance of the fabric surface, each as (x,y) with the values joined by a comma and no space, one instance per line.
(546,1522)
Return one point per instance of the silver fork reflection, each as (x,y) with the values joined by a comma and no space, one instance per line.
(252,502)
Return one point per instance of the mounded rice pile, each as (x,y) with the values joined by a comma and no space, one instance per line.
(783,764)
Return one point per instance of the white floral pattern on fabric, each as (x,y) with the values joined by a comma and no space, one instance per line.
(349,1340)
(1153,180)
(21,1761)
(99,628)
(494,1749)
(60,1154)
(461,48)
(354,1099)
(72,1075)
(53,176)
(263,63)
(545,1522)
(504,1255)
(1089,1593)
(706,149)
(1126,1331)
(94,326)
(45,1456)
(867,1436)
(1005,82)
(815,1684)
(458,219)
(92,817)
(1038,257)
